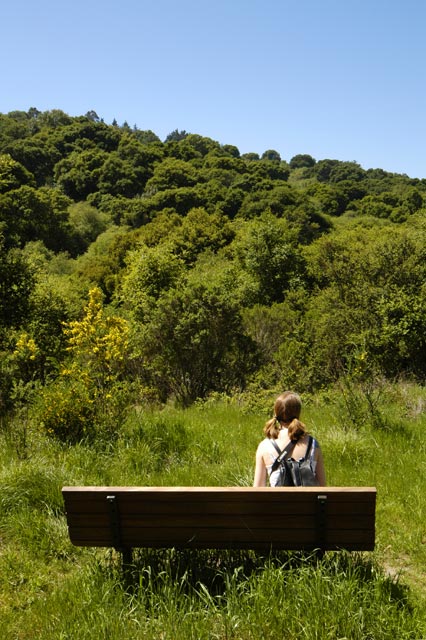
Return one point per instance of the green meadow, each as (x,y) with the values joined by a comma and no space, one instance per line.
(138,276)
(51,590)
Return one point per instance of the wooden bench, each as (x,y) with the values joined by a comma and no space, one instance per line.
(259,518)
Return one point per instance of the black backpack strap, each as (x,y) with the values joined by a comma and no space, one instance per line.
(288,450)
(282,454)
(308,448)
(276,446)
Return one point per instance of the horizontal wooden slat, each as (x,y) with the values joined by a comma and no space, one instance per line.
(284,507)
(201,491)
(232,494)
(220,535)
(218,521)
(157,502)
(140,537)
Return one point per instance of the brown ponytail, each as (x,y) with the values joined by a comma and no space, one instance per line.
(296,429)
(272,428)
(287,410)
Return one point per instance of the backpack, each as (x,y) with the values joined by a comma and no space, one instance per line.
(294,473)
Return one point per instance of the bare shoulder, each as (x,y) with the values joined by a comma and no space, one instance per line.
(262,446)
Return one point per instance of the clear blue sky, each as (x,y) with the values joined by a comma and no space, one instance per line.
(341,79)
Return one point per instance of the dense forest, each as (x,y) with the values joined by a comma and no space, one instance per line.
(135,270)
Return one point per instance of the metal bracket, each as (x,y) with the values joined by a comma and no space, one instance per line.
(114,513)
(321,520)
(114,521)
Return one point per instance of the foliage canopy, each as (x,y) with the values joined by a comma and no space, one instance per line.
(223,270)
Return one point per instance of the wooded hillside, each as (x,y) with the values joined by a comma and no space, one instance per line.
(136,270)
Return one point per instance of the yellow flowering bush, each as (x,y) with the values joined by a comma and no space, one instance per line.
(90,396)
(98,344)
(26,348)
(66,411)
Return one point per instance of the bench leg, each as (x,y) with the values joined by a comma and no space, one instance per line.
(126,562)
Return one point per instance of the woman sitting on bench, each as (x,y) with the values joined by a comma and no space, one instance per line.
(285,432)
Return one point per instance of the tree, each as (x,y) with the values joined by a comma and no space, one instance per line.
(35,214)
(55,118)
(274,330)
(103,262)
(351,171)
(194,343)
(146,137)
(49,308)
(172,173)
(119,177)
(276,200)
(79,173)
(231,150)
(302,160)
(192,146)
(330,199)
(82,134)
(37,154)
(140,153)
(269,170)
(200,231)
(13,174)
(323,169)
(251,156)
(176,136)
(16,284)
(151,272)
(413,200)
(374,206)
(86,223)
(271,155)
(267,251)
(175,200)
(367,294)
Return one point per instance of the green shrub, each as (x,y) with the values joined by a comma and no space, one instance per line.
(364,403)
(66,411)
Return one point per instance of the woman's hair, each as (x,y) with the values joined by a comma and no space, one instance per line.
(287,410)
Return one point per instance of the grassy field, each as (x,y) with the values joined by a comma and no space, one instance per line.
(52,590)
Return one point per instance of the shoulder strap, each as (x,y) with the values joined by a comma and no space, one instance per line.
(282,454)
(308,448)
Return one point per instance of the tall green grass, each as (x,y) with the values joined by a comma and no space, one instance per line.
(52,590)
(338,597)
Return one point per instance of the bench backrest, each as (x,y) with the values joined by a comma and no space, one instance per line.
(222,517)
